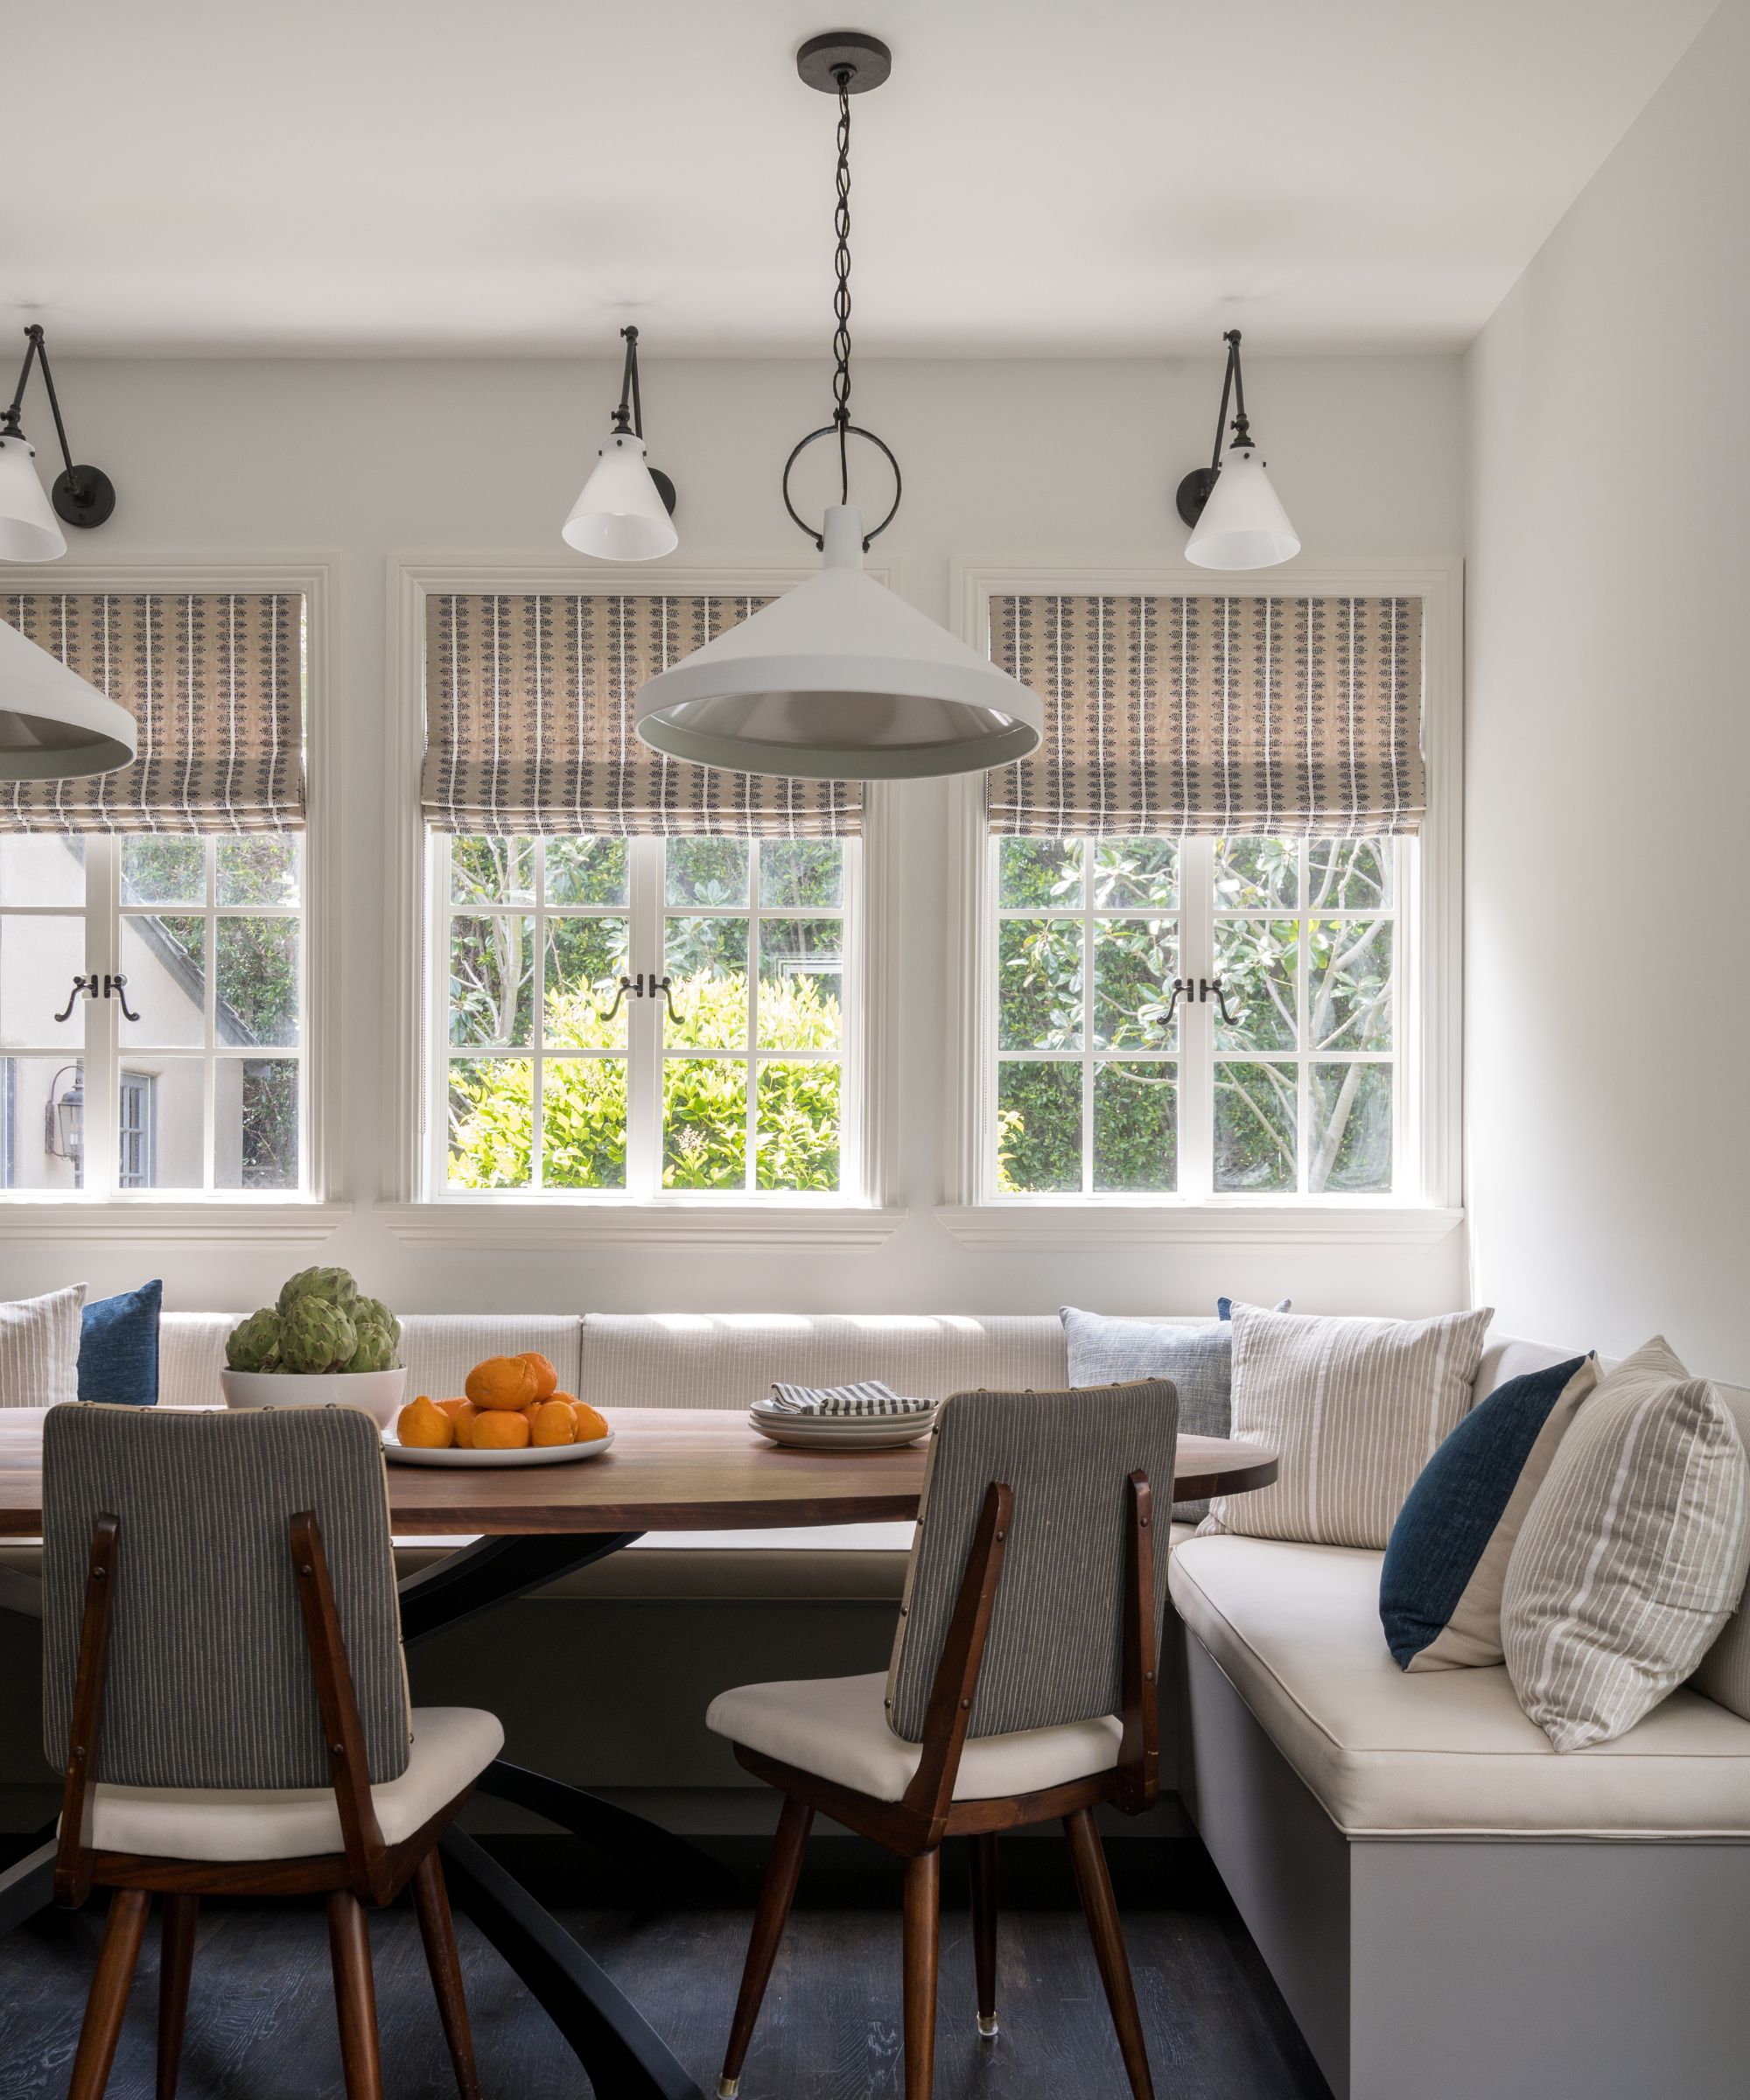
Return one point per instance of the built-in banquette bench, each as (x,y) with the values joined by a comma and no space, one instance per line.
(1449,1907)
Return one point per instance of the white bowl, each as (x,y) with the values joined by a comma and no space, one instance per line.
(378,1392)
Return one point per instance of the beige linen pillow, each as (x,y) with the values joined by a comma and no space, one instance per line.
(1725,1672)
(1355,1408)
(1631,1557)
(39,1348)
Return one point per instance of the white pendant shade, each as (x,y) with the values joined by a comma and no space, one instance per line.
(29,529)
(620,516)
(839,679)
(53,726)
(1244,525)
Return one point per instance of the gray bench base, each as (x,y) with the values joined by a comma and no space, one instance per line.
(1443,1969)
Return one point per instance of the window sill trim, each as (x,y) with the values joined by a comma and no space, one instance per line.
(1045,1226)
(541,1225)
(151,1222)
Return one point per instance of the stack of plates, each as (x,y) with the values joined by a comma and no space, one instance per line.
(840,1432)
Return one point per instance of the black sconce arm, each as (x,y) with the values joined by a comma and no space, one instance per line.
(1194,490)
(628,417)
(81,495)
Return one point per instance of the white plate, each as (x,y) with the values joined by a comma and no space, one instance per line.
(881,1434)
(531,1454)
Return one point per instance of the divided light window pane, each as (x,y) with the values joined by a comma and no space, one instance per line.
(198,1076)
(1284,1083)
(730,1082)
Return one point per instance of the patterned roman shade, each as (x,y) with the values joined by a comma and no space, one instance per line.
(1213,716)
(528,725)
(214,683)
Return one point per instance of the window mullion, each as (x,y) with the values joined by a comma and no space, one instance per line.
(644,1047)
(751,1141)
(102,1122)
(1196,1024)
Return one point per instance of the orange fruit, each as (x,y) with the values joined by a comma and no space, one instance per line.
(498,1429)
(506,1382)
(453,1408)
(554,1422)
(423,1427)
(465,1417)
(591,1423)
(546,1378)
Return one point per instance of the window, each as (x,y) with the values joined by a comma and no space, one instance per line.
(187,1071)
(642,1018)
(1196,1018)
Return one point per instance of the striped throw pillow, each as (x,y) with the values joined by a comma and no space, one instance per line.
(39,1348)
(1631,1557)
(1355,1408)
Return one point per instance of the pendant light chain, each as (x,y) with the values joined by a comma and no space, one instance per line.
(841,297)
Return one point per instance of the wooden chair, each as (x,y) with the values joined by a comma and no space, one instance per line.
(1023,1686)
(222,1674)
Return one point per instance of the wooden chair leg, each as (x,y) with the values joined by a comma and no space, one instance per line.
(777,1891)
(1102,1912)
(438,1929)
(984,1930)
(176,1963)
(922,1922)
(108,2004)
(355,1997)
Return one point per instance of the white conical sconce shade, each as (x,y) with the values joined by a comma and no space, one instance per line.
(53,726)
(839,679)
(1244,525)
(29,529)
(620,516)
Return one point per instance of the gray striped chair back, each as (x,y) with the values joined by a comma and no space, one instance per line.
(1054,1650)
(209,1680)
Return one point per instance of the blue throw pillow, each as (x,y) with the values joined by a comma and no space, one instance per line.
(118,1348)
(1199,1359)
(1445,1564)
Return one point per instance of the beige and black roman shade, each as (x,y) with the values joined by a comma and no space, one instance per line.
(528,725)
(1214,717)
(214,683)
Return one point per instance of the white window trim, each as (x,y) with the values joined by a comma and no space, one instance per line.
(692,1219)
(1434,913)
(145,1217)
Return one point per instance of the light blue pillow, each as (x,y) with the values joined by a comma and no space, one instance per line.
(1445,1563)
(1199,1359)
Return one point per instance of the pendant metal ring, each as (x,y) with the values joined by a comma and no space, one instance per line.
(853,430)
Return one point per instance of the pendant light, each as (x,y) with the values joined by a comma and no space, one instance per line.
(839,679)
(53,725)
(623,513)
(1237,518)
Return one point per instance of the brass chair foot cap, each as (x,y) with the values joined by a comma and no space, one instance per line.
(728,2088)
(987,2027)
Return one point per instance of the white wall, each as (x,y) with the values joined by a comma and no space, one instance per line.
(1014,461)
(1608,968)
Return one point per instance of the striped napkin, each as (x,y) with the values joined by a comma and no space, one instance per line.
(870,1398)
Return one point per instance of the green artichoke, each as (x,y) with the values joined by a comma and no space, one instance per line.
(379,1334)
(317,1336)
(253,1344)
(335,1286)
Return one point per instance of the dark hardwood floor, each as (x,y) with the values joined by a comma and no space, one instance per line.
(261,2020)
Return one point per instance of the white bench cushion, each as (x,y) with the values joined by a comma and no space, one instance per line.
(451,1747)
(1296,1630)
(836,1727)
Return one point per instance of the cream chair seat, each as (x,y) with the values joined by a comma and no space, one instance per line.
(451,1747)
(836,1728)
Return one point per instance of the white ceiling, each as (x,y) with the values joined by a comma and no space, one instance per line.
(1039,176)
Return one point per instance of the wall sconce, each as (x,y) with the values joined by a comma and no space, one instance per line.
(82,495)
(1237,518)
(64,1118)
(623,513)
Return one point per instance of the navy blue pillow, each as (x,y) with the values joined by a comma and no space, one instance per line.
(1440,1591)
(118,1347)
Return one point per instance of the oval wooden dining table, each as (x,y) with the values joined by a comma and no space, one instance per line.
(668,1470)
